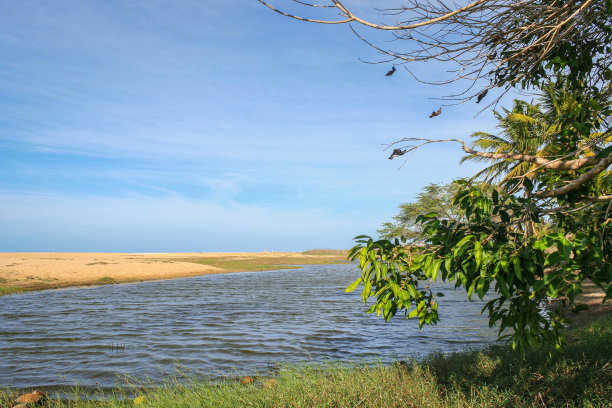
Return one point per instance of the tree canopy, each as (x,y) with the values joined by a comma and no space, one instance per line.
(529,240)
(432,198)
(545,229)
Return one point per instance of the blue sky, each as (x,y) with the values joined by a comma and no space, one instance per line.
(164,126)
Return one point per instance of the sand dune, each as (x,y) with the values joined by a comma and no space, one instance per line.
(41,270)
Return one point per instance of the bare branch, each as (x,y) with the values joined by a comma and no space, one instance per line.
(408,26)
(502,41)
(305,19)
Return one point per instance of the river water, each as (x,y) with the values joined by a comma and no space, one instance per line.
(215,325)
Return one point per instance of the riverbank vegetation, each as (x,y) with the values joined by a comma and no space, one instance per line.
(271,261)
(579,376)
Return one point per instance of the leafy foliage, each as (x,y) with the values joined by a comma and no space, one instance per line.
(546,230)
(432,198)
(494,250)
(530,241)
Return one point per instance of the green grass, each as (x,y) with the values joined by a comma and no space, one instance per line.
(580,376)
(105,280)
(267,263)
(326,251)
(7,289)
(243,265)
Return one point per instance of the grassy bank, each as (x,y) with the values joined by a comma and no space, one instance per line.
(20,287)
(270,262)
(581,376)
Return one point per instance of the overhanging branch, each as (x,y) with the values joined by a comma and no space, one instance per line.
(598,168)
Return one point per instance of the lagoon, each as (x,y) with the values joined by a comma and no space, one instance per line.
(214,325)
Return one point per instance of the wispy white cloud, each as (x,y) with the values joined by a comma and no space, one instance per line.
(149,125)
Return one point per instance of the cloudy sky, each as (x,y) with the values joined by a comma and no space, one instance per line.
(195,125)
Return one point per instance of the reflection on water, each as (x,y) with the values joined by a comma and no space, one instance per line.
(212,325)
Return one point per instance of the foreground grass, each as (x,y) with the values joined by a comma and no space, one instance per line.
(581,376)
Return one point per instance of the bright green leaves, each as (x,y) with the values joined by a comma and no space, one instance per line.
(353,285)
(564,247)
(543,243)
(476,206)
(461,246)
(518,270)
(392,275)
(505,246)
(433,268)
(478,253)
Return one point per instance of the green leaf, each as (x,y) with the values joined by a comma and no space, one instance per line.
(478,253)
(448,264)
(518,270)
(433,268)
(530,266)
(353,253)
(367,289)
(460,247)
(543,243)
(503,287)
(554,285)
(539,284)
(504,264)
(413,292)
(553,259)
(482,287)
(353,286)
(564,247)
(472,287)
(361,237)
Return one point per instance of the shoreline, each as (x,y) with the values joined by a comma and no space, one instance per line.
(33,271)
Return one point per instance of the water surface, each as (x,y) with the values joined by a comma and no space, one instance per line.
(213,325)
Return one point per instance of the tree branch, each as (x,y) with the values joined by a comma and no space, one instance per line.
(598,168)
(553,164)
(542,162)
(505,42)
(305,19)
(587,201)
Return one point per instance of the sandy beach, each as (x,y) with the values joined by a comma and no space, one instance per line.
(33,271)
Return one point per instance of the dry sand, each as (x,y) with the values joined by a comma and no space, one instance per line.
(592,296)
(28,270)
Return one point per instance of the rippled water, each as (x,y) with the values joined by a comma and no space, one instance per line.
(213,325)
